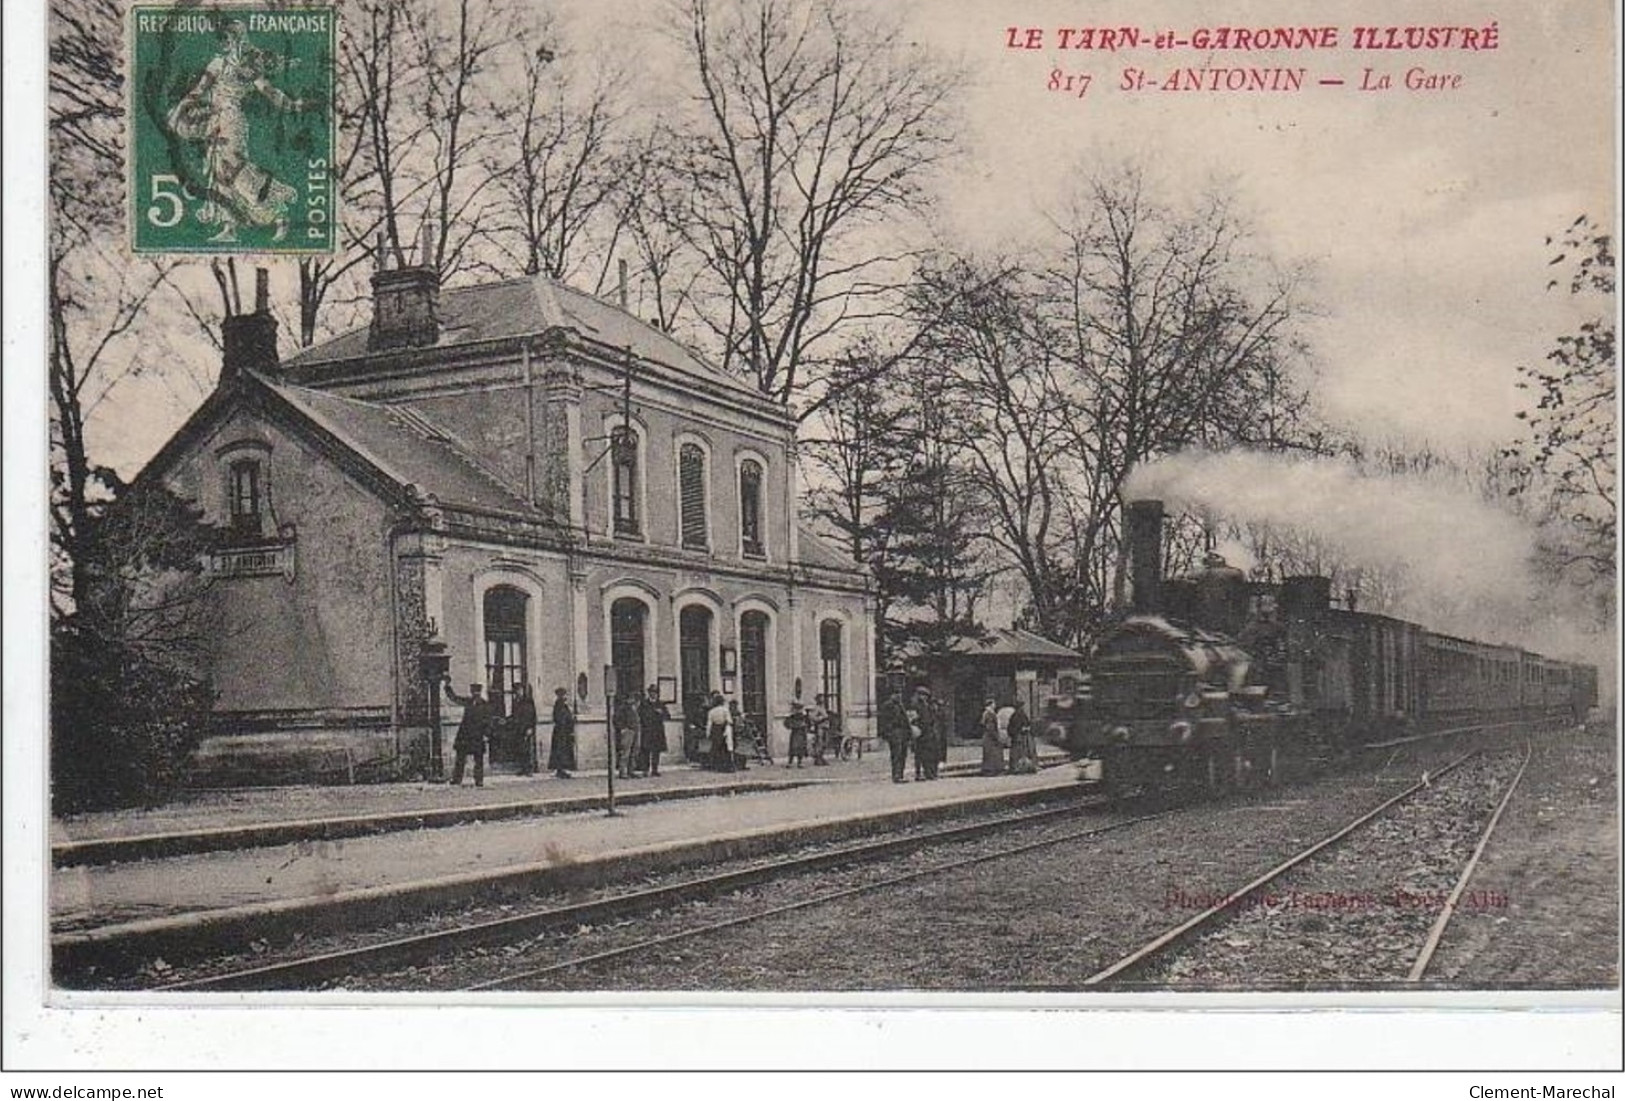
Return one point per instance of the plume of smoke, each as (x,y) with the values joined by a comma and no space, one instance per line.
(1465,565)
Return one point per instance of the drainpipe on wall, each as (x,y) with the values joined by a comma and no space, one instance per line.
(530,426)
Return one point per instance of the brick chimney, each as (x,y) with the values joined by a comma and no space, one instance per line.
(1145,555)
(405,303)
(250,338)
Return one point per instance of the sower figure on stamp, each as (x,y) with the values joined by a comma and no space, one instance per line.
(652,718)
(561,754)
(895,729)
(522,720)
(472,734)
(214,113)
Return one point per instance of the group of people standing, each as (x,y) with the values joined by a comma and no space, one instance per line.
(1007,728)
(916,724)
(640,733)
(482,724)
(814,727)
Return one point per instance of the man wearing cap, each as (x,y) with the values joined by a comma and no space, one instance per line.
(895,730)
(472,733)
(652,718)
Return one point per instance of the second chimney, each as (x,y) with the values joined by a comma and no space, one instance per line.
(1145,555)
(405,304)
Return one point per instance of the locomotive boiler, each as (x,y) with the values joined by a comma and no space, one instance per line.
(1215,680)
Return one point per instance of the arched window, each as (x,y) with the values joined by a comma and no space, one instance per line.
(624,472)
(627,617)
(829,662)
(505,667)
(691,479)
(246,493)
(750,508)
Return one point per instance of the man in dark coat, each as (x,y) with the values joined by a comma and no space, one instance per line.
(479,722)
(652,718)
(894,729)
(523,723)
(561,754)
(932,745)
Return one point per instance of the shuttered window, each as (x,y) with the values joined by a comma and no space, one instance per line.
(750,507)
(691,478)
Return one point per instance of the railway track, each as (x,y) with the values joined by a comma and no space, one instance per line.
(401,952)
(441,945)
(1149,954)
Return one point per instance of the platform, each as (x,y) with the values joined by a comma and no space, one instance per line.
(179,903)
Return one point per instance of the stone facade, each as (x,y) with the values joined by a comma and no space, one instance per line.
(508,477)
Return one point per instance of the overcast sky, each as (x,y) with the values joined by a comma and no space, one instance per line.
(1424,213)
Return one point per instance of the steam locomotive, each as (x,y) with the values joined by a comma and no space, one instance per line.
(1215,680)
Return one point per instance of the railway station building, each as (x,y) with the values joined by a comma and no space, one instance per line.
(524,478)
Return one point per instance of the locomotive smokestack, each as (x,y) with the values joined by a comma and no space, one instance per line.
(1145,555)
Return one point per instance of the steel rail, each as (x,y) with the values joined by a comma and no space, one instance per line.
(1437,932)
(803,904)
(313,968)
(1147,951)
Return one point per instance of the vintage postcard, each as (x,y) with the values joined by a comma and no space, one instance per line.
(833,506)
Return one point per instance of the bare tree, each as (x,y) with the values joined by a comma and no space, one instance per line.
(1569,459)
(565,169)
(994,357)
(1176,333)
(811,123)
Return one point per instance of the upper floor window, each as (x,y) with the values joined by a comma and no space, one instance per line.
(750,507)
(246,496)
(624,474)
(691,486)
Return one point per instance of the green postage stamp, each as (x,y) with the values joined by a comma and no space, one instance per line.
(231,129)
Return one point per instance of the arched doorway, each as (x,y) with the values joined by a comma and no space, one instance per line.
(753,669)
(628,617)
(506,665)
(694,666)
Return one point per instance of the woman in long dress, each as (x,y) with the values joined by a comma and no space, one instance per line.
(719,727)
(992,746)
